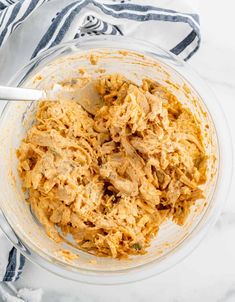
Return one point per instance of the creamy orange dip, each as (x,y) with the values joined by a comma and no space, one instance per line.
(111,179)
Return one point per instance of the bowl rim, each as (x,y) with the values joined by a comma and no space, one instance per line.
(199,231)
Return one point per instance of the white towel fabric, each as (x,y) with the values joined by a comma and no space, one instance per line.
(36,25)
(28,27)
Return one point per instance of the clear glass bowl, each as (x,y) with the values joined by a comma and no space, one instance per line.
(136,60)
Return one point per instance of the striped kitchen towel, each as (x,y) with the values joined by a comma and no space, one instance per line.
(28,27)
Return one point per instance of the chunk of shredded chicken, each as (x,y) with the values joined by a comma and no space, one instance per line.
(112,179)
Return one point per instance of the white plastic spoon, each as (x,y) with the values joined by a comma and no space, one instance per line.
(86,96)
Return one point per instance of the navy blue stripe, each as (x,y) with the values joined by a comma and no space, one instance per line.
(3,17)
(30,8)
(94,25)
(12,17)
(104,28)
(67,24)
(2,6)
(118,29)
(77,36)
(145,8)
(114,31)
(11,266)
(157,17)
(51,30)
(183,44)
(22,263)
(193,51)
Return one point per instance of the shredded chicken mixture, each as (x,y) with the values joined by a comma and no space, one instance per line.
(111,179)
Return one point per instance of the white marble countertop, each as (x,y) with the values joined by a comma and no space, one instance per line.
(208,274)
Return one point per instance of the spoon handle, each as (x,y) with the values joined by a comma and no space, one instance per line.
(20,94)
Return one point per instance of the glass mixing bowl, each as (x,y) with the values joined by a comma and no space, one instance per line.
(135,59)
